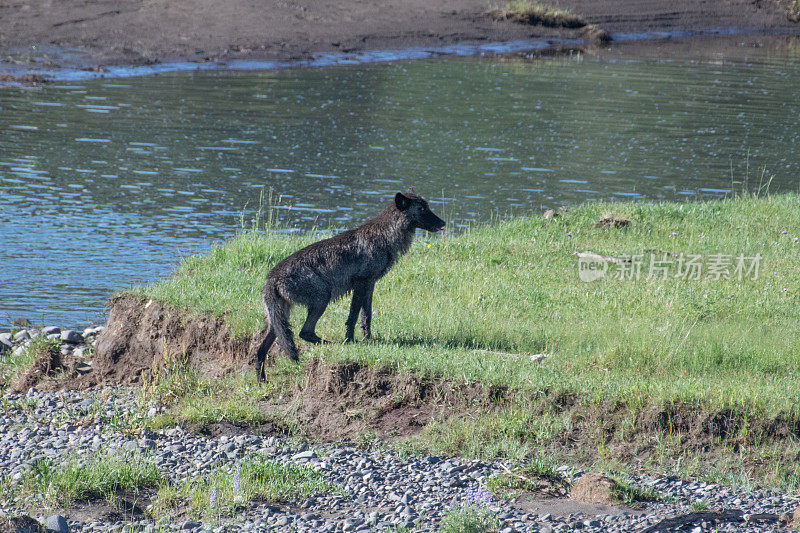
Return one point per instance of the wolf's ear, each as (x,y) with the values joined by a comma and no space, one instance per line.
(401,201)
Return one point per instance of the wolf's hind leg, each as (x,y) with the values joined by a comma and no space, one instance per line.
(315,311)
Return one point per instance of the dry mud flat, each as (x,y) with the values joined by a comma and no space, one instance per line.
(380,488)
(93,33)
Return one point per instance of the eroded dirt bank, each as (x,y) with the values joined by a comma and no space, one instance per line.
(141,333)
(341,400)
(115,32)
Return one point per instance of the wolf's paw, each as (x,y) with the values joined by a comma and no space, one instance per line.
(311,337)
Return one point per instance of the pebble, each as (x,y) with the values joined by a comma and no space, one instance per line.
(382,489)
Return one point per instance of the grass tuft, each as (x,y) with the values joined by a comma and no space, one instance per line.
(224,492)
(40,348)
(538,475)
(469,518)
(535,13)
(97,477)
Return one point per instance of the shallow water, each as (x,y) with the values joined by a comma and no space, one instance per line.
(106,183)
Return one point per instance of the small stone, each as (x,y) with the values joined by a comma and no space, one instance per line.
(22,335)
(306,455)
(71,336)
(51,330)
(6,338)
(191,524)
(92,330)
(56,523)
(352,523)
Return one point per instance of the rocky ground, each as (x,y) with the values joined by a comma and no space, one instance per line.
(381,488)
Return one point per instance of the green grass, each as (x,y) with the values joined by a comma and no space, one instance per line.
(11,366)
(475,306)
(530,477)
(626,493)
(97,477)
(469,518)
(223,493)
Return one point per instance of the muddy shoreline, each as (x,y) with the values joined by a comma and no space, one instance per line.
(95,35)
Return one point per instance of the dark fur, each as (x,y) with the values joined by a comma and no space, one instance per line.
(351,261)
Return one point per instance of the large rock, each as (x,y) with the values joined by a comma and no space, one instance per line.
(593,488)
(57,524)
(71,336)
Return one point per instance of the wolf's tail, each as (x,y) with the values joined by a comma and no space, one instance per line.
(277,309)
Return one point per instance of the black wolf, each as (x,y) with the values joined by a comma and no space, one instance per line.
(350,261)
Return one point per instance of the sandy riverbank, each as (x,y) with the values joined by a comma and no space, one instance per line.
(115,32)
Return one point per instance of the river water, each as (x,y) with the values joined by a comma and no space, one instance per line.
(107,183)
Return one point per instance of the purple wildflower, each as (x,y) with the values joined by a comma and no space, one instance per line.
(212,498)
(569,234)
(784,232)
(479,496)
(237,480)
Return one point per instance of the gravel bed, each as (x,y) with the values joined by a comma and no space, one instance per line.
(382,488)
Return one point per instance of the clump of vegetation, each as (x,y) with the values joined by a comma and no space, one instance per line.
(613,220)
(538,475)
(472,515)
(534,13)
(40,358)
(97,477)
(627,493)
(167,383)
(469,518)
(223,492)
(793,11)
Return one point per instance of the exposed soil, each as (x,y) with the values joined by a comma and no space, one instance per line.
(340,401)
(45,364)
(20,524)
(92,33)
(140,333)
(127,505)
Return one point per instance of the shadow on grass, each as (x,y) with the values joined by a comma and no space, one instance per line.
(497,346)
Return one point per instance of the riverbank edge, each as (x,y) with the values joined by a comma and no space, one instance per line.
(38,71)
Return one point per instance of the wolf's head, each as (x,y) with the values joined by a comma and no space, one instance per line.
(416,210)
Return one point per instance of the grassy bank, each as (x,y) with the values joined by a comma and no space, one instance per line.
(504,305)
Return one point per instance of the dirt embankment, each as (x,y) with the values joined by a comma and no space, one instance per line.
(342,400)
(113,32)
(141,333)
